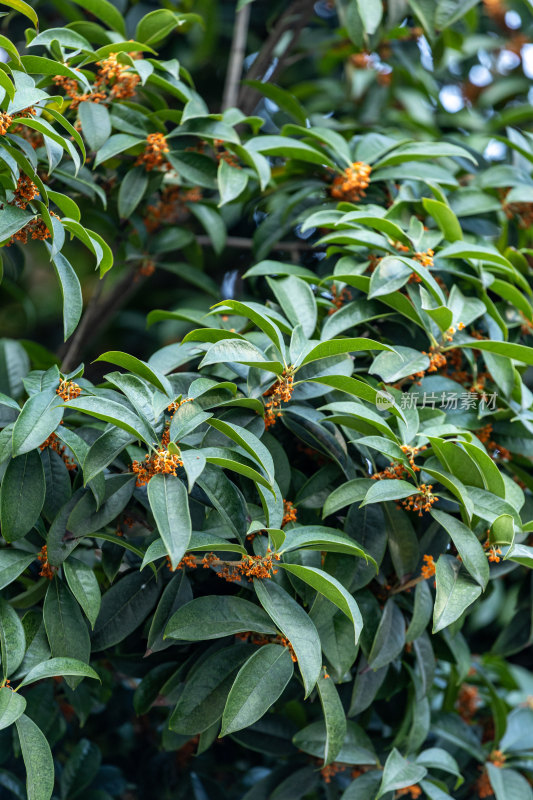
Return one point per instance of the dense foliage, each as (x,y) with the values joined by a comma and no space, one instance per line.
(278,544)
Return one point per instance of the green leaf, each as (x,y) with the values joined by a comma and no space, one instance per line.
(12,639)
(71,293)
(12,706)
(84,586)
(422,610)
(444,217)
(213,617)
(70,667)
(297,300)
(23,8)
(356,748)
(259,683)
(423,151)
(332,589)
(336,347)
(116,413)
(239,351)
(116,144)
(383,491)
(289,148)
(456,591)
(125,606)
(318,537)
(468,546)
(389,640)
(202,704)
(106,12)
(232,182)
(249,442)
(398,773)
(65,627)
(156,25)
(40,416)
(334,718)
(95,124)
(519,352)
(12,564)
(169,502)
(37,759)
(131,191)
(296,626)
(508,784)
(13,219)
(22,496)
(81,768)
(138,367)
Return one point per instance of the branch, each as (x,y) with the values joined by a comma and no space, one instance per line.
(293,20)
(97,316)
(236,59)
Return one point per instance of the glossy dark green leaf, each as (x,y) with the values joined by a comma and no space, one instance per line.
(259,683)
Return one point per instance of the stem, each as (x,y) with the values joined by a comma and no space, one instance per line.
(236,59)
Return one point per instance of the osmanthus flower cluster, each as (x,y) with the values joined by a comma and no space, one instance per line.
(302,527)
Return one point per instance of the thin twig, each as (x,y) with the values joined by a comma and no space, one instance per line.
(97,315)
(293,20)
(236,59)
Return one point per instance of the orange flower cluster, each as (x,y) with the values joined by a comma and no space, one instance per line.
(153,156)
(71,89)
(259,639)
(5,122)
(422,501)
(493,552)
(112,73)
(174,406)
(498,758)
(221,154)
(437,360)
(47,571)
(338,298)
(522,211)
(171,207)
(68,390)
(361,60)
(147,268)
(413,791)
(425,258)
(25,192)
(468,702)
(527,325)
(161,463)
(280,392)
(496,451)
(450,333)
(411,452)
(428,567)
(455,369)
(36,228)
(53,442)
(483,785)
(394,472)
(289,513)
(496,9)
(351,185)
(188,560)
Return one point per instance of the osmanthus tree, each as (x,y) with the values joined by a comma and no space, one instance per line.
(287,555)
